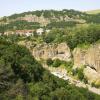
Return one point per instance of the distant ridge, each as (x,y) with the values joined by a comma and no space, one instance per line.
(93,11)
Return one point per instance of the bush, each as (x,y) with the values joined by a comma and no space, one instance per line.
(74,71)
(80,74)
(56,63)
(95,85)
(49,62)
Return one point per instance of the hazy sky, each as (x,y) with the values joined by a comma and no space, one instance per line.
(8,7)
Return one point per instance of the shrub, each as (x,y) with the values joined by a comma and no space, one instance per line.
(49,62)
(95,85)
(56,63)
(80,74)
(74,71)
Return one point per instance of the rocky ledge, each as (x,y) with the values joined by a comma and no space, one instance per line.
(90,59)
(54,51)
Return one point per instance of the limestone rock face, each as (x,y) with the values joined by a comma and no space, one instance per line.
(34,18)
(53,51)
(92,75)
(89,57)
(79,57)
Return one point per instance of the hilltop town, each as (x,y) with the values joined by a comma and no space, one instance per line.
(27,33)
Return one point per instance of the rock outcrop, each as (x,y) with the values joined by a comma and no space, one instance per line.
(90,58)
(53,51)
(33,18)
(92,75)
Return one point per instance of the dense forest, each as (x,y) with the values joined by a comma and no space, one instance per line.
(24,78)
(74,36)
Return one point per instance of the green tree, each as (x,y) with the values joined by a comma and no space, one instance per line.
(56,63)
(49,62)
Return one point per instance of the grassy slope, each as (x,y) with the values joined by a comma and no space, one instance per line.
(93,11)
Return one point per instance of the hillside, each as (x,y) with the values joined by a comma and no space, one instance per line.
(50,55)
(93,11)
(23,78)
(48,19)
(45,16)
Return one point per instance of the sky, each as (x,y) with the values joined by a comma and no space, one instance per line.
(8,7)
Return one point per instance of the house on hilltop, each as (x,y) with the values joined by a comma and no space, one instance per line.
(24,32)
(20,32)
(9,33)
(40,31)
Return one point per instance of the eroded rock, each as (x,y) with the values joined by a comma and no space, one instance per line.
(53,51)
(92,75)
(89,57)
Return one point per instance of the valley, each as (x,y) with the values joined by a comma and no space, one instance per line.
(50,55)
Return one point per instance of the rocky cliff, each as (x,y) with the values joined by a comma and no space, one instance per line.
(87,57)
(60,51)
(82,57)
(90,58)
(92,76)
(33,18)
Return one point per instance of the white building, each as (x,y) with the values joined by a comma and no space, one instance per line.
(20,32)
(40,31)
(9,33)
(29,34)
(24,32)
